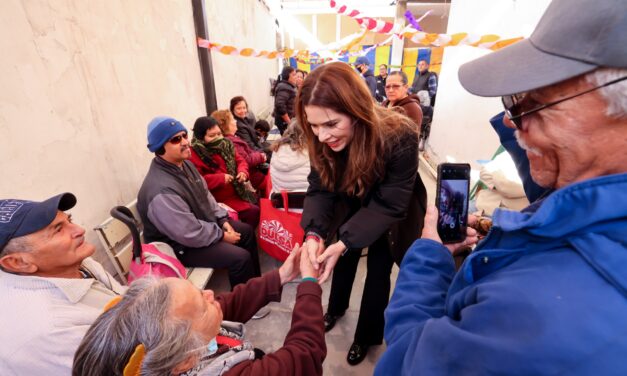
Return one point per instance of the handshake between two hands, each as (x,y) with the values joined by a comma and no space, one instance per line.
(318,262)
(297,262)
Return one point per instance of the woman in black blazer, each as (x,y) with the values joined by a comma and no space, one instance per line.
(364,187)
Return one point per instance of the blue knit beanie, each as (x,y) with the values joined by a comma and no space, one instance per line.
(161,129)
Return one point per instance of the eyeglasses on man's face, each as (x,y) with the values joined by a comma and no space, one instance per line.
(177,139)
(393,86)
(514,104)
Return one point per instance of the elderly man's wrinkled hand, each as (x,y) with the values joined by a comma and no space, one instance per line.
(430,231)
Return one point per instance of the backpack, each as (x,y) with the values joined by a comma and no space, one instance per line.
(155,259)
(273,83)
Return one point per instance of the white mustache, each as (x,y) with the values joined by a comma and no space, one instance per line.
(524,145)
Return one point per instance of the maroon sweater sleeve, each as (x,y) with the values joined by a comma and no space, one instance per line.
(246,299)
(304,348)
(256,158)
(242,166)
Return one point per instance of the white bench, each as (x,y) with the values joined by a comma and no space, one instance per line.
(118,243)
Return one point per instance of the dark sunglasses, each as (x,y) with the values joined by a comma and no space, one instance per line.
(393,86)
(177,139)
(513,108)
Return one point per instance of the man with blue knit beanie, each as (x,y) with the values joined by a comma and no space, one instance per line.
(177,208)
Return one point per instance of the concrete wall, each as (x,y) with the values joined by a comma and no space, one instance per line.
(80,80)
(243,23)
(460,129)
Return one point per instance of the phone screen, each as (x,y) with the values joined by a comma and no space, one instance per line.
(452,201)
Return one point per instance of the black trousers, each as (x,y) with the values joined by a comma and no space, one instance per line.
(282,125)
(376,290)
(241,259)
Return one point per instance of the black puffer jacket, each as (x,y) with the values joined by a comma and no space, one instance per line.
(285,94)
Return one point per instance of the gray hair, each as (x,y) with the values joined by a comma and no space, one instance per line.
(294,136)
(615,95)
(142,316)
(15,245)
(400,73)
(424,98)
(19,244)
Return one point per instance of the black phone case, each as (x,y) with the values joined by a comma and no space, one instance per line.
(463,171)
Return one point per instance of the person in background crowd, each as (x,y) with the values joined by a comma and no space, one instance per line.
(545,292)
(364,185)
(257,166)
(50,287)
(425,80)
(290,166)
(381,78)
(397,93)
(225,171)
(177,208)
(362,64)
(245,125)
(169,327)
(507,138)
(285,94)
(262,128)
(300,77)
(427,117)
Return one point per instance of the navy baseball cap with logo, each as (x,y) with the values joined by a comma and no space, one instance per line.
(22,217)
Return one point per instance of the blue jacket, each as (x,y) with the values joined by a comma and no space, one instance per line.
(544,293)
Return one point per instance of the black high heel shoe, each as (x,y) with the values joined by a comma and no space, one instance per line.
(357,353)
(330,320)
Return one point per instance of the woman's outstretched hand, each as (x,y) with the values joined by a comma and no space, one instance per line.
(328,259)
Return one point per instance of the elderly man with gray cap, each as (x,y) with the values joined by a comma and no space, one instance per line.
(546,291)
(177,208)
(51,290)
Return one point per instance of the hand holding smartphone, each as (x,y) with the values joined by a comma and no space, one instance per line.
(452,201)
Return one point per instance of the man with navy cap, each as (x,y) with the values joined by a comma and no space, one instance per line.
(177,208)
(51,291)
(546,291)
(362,64)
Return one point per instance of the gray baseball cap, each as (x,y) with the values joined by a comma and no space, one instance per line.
(572,38)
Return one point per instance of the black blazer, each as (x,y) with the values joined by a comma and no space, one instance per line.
(393,207)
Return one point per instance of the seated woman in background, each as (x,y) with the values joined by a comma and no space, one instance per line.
(245,126)
(224,170)
(257,166)
(396,90)
(290,166)
(169,327)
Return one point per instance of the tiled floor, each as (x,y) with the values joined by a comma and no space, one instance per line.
(268,333)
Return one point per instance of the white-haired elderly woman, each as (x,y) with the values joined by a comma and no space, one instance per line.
(169,327)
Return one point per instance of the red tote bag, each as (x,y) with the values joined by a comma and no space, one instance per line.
(279,229)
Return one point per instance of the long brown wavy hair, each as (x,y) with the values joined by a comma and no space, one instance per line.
(338,87)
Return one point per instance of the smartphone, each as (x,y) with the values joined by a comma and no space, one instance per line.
(452,201)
